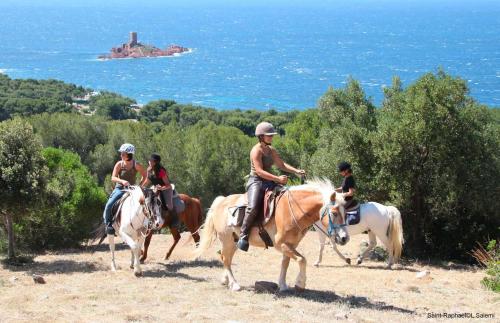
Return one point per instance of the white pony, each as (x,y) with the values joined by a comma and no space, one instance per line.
(380,221)
(140,212)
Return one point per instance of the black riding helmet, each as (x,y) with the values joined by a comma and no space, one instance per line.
(155,157)
(344,166)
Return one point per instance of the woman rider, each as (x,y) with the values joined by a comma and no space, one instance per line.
(124,174)
(262,157)
(158,176)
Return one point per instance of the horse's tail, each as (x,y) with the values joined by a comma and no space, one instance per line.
(208,232)
(200,211)
(395,232)
(98,234)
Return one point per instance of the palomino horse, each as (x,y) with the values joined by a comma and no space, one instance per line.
(139,214)
(191,217)
(296,211)
(380,221)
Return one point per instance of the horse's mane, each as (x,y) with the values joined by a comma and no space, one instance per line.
(135,192)
(321,185)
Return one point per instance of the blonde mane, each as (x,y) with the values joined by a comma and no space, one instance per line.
(320,185)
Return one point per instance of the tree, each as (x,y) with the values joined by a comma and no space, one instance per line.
(112,106)
(437,153)
(22,175)
(216,160)
(349,120)
(73,203)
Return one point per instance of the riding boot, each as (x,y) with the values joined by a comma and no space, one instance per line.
(254,201)
(174,218)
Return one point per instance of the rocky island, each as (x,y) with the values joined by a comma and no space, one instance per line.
(134,49)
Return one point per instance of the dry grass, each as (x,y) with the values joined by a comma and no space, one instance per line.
(80,288)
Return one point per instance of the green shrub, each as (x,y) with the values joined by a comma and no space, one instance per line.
(74,204)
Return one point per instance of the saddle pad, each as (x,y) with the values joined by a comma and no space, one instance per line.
(353,217)
(179,204)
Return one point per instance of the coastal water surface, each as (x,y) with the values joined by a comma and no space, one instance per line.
(262,57)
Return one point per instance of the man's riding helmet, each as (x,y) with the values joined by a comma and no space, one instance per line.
(265,129)
(127,148)
(344,166)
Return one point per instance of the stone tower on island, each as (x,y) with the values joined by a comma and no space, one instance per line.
(133,39)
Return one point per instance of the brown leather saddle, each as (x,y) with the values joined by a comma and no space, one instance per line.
(266,212)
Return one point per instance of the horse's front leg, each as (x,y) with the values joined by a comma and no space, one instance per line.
(285,261)
(177,237)
(373,242)
(137,255)
(334,246)
(146,246)
(289,250)
(322,239)
(111,242)
(135,250)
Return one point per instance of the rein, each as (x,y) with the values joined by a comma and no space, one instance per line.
(290,197)
(148,215)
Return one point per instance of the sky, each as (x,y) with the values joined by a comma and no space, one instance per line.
(236,3)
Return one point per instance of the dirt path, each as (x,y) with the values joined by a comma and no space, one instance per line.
(80,288)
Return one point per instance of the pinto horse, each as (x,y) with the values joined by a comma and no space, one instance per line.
(295,212)
(192,216)
(380,221)
(140,212)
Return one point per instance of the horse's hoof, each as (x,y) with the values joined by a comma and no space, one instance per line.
(348,260)
(138,273)
(316,264)
(235,287)
(359,261)
(299,289)
(284,288)
(141,261)
(131,266)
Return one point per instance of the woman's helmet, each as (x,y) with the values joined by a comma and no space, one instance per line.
(155,157)
(344,166)
(127,148)
(265,128)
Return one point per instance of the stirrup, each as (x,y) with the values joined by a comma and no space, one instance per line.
(243,244)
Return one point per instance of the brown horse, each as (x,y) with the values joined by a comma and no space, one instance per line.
(192,217)
(296,211)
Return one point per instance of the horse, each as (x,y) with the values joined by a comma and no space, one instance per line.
(380,221)
(296,210)
(192,216)
(140,213)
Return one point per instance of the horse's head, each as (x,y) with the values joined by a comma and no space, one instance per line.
(337,224)
(152,206)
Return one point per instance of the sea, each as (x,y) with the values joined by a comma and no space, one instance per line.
(261,55)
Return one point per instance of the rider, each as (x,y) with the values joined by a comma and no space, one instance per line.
(158,176)
(262,157)
(348,186)
(124,175)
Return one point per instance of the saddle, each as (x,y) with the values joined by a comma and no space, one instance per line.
(353,214)
(236,213)
(116,209)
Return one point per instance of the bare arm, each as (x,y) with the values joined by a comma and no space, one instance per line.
(284,166)
(350,192)
(142,171)
(114,175)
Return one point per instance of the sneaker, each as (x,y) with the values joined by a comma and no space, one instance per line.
(110,230)
(243,244)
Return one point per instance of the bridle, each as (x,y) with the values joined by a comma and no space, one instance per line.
(332,227)
(148,213)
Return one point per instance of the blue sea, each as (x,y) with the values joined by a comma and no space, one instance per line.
(280,55)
